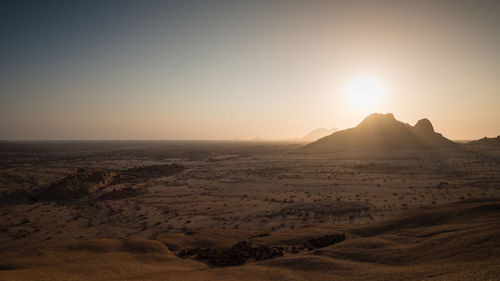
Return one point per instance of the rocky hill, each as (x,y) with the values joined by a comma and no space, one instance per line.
(383,132)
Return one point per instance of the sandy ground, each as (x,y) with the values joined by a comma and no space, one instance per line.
(404,215)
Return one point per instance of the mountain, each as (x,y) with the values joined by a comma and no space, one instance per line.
(317,134)
(491,142)
(383,132)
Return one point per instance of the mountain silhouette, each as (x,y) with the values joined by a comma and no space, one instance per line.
(317,134)
(492,142)
(383,132)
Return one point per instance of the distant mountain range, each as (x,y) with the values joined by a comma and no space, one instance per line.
(310,137)
(317,134)
(493,142)
(383,132)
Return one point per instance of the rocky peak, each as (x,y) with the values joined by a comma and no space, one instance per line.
(424,125)
(378,118)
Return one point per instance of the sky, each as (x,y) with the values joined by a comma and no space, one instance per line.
(215,70)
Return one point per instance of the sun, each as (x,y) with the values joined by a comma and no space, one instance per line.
(364,92)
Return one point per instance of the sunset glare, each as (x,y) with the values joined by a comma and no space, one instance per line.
(364,92)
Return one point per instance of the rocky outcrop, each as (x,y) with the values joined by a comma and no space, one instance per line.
(382,132)
(84,182)
(87,182)
(243,251)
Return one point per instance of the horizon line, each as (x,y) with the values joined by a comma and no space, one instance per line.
(180,140)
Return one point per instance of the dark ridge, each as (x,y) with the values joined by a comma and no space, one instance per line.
(243,251)
(87,182)
(383,132)
(488,142)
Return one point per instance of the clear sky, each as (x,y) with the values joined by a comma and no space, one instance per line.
(245,69)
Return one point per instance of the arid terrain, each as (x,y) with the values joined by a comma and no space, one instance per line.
(246,211)
(250,140)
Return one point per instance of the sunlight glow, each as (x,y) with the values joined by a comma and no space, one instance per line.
(364,92)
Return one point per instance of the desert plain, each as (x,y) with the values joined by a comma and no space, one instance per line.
(189,210)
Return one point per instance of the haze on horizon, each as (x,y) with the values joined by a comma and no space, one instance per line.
(234,69)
